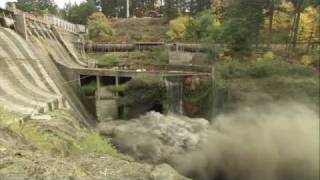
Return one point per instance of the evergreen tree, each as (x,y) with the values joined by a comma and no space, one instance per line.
(79,13)
(114,8)
(38,6)
(171,10)
(197,6)
(244,19)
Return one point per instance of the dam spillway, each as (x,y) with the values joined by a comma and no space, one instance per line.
(31,82)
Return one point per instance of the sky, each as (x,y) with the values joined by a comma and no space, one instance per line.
(60,3)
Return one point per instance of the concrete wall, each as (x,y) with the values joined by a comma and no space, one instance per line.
(106,104)
(180,58)
(21,25)
(70,77)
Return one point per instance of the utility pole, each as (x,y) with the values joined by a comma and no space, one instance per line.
(128,9)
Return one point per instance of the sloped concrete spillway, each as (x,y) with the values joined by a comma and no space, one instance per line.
(30,81)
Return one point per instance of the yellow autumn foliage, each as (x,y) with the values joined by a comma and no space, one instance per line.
(281,18)
(306,60)
(309,24)
(177,28)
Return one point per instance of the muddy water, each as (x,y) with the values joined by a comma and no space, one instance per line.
(273,142)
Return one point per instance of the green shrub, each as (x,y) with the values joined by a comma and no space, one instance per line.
(158,56)
(311,59)
(298,70)
(88,89)
(262,69)
(119,88)
(268,56)
(201,99)
(177,28)
(231,69)
(136,36)
(203,27)
(143,89)
(99,27)
(111,59)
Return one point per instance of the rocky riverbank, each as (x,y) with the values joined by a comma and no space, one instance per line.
(57,147)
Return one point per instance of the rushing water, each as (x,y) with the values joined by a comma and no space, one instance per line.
(174,89)
(268,142)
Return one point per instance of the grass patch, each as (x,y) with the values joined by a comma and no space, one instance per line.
(6,119)
(119,88)
(94,143)
(156,56)
(60,136)
(138,29)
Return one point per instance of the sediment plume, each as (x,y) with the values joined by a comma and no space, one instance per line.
(278,141)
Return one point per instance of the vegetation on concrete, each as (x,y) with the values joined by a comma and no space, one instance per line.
(156,56)
(118,88)
(142,91)
(198,101)
(88,89)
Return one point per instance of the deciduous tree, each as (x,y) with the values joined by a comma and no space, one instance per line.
(99,27)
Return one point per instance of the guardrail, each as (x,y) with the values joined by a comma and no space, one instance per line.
(96,47)
(192,47)
(64,25)
(161,68)
(48,20)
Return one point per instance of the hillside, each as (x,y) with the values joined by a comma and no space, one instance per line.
(138,29)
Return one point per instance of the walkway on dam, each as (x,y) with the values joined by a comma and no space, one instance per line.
(171,71)
(179,47)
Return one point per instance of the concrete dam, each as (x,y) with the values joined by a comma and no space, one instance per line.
(41,68)
(31,82)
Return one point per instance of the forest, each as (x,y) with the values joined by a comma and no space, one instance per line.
(240,24)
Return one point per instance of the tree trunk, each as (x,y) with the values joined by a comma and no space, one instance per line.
(297,24)
(271,22)
(309,42)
